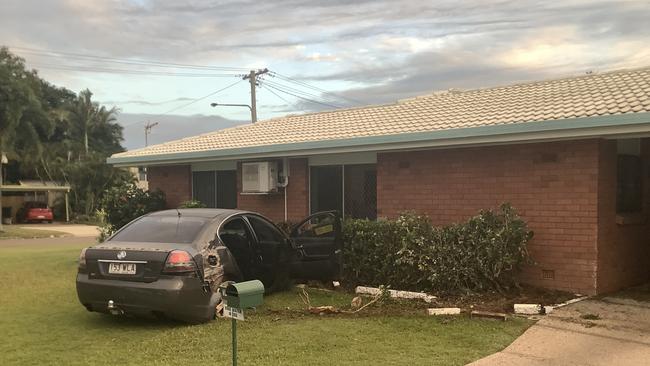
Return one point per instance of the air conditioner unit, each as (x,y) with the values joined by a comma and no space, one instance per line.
(259,177)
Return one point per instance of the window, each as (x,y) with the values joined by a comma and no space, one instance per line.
(216,188)
(629,187)
(629,182)
(350,189)
(265,231)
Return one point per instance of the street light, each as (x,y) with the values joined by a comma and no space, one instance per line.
(234,105)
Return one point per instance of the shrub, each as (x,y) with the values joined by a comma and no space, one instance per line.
(483,253)
(192,204)
(124,203)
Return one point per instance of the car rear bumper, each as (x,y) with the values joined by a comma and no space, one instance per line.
(177,297)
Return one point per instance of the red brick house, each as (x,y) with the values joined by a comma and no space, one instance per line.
(570,154)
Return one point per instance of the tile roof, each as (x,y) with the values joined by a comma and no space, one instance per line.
(599,94)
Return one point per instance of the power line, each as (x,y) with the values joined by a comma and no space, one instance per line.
(203,97)
(190,103)
(303,98)
(297,91)
(281,97)
(304,84)
(124,71)
(68,55)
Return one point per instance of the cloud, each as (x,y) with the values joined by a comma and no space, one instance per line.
(372,51)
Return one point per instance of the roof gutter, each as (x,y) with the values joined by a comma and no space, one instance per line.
(561,129)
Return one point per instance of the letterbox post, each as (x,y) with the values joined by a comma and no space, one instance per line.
(234,341)
(237,297)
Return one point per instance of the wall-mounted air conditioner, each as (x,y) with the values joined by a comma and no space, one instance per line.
(260,177)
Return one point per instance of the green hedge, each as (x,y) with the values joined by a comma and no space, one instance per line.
(408,253)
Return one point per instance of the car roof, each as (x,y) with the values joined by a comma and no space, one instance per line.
(209,213)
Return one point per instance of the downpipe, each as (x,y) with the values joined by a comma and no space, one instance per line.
(284,184)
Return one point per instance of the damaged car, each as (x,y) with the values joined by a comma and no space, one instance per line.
(170,263)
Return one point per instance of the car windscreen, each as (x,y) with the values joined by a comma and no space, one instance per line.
(162,229)
(35,205)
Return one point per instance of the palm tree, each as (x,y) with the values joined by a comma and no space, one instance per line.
(84,116)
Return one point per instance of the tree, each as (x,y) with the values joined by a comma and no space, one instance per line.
(24,120)
(43,126)
(84,115)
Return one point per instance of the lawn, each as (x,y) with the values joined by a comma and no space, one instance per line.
(42,323)
(13,231)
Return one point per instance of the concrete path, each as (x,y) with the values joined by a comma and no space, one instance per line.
(71,229)
(569,336)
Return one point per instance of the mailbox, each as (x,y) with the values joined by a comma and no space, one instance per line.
(244,295)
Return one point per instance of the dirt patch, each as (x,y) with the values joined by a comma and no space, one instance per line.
(490,301)
(638,293)
(503,302)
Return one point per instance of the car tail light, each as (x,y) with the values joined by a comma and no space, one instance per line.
(179,261)
(82,260)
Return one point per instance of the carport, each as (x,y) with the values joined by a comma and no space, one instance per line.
(37,187)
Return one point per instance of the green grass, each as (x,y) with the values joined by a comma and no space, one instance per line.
(13,232)
(42,323)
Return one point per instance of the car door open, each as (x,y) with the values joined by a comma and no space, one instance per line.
(319,243)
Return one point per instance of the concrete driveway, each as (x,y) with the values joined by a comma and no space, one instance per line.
(70,229)
(613,330)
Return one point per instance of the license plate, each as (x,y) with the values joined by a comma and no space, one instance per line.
(40,217)
(121,268)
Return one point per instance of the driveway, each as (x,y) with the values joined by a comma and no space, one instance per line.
(613,330)
(70,229)
(64,242)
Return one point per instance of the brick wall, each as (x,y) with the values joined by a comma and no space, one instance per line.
(554,186)
(272,205)
(623,249)
(174,180)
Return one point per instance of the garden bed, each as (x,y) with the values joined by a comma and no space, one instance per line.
(488,301)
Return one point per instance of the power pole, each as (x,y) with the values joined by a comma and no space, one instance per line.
(147,129)
(252,78)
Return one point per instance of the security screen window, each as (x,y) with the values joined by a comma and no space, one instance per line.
(349,189)
(629,183)
(216,188)
(629,188)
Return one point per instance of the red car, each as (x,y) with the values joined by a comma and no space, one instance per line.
(34,211)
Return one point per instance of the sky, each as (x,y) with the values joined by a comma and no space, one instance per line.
(157,60)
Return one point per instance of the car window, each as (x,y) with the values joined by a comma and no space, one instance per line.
(236,226)
(318,226)
(163,229)
(264,230)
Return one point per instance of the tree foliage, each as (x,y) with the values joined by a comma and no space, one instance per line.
(123,203)
(49,133)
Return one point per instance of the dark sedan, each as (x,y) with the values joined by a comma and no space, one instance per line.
(170,263)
